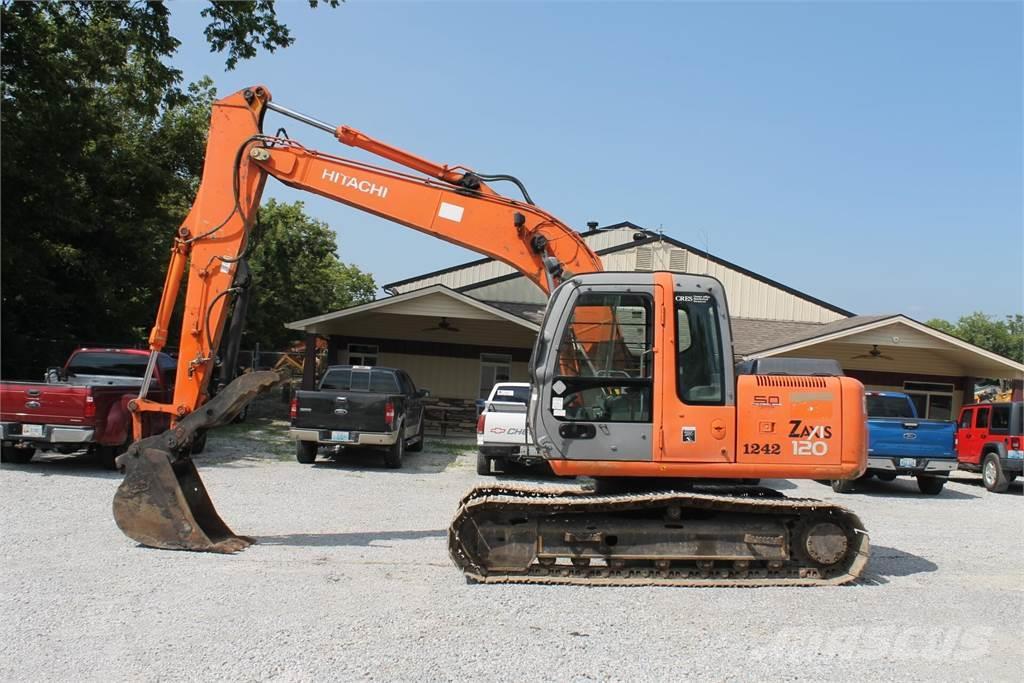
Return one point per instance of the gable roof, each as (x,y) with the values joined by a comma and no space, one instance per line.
(650,237)
(400,299)
(818,334)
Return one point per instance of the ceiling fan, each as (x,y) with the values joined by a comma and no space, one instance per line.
(874,353)
(443,325)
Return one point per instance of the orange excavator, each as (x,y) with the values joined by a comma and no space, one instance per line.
(632,375)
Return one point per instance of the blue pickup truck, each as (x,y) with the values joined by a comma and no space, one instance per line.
(901,443)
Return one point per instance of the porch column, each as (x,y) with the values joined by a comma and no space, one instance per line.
(309,363)
(334,345)
(967,385)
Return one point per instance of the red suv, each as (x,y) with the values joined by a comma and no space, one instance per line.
(989,440)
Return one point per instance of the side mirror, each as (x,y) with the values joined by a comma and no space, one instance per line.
(423,393)
(55,375)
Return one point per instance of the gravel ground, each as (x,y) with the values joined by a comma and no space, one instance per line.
(351,580)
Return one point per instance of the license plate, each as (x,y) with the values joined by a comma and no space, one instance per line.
(340,436)
(908,462)
(31,430)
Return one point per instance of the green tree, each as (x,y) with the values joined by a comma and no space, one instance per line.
(1005,337)
(296,274)
(102,149)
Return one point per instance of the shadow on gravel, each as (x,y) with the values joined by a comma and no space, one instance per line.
(56,464)
(901,488)
(1015,486)
(889,562)
(426,462)
(364,538)
(540,472)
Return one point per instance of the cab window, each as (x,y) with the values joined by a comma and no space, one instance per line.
(967,419)
(699,364)
(982,419)
(605,360)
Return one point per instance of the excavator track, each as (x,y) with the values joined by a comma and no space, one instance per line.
(746,536)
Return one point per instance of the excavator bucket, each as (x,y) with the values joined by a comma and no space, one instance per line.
(162,502)
(161,505)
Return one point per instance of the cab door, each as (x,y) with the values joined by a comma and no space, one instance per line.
(965,437)
(697,390)
(980,431)
(593,369)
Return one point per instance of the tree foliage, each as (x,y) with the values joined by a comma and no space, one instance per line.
(243,27)
(296,274)
(102,151)
(1005,337)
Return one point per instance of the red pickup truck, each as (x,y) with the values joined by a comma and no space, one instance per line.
(83,405)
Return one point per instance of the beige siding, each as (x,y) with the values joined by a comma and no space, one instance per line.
(477,332)
(464,277)
(898,334)
(752,298)
(445,377)
(516,291)
(440,305)
(748,296)
(904,360)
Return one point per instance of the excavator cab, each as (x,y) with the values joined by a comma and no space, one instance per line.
(634,377)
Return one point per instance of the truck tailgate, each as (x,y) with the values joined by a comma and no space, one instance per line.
(504,428)
(40,403)
(348,411)
(911,438)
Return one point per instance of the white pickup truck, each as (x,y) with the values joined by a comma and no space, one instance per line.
(501,433)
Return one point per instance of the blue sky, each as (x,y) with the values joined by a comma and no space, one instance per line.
(869,154)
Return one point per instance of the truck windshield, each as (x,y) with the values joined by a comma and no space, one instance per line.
(108,363)
(377,381)
(512,394)
(888,406)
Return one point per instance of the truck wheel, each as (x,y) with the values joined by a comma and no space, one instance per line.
(393,456)
(931,486)
(17,454)
(483,465)
(418,446)
(842,485)
(992,473)
(305,451)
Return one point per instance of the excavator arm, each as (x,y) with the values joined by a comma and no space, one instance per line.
(162,501)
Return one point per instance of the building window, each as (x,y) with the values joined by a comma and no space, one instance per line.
(933,400)
(494,368)
(362,354)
